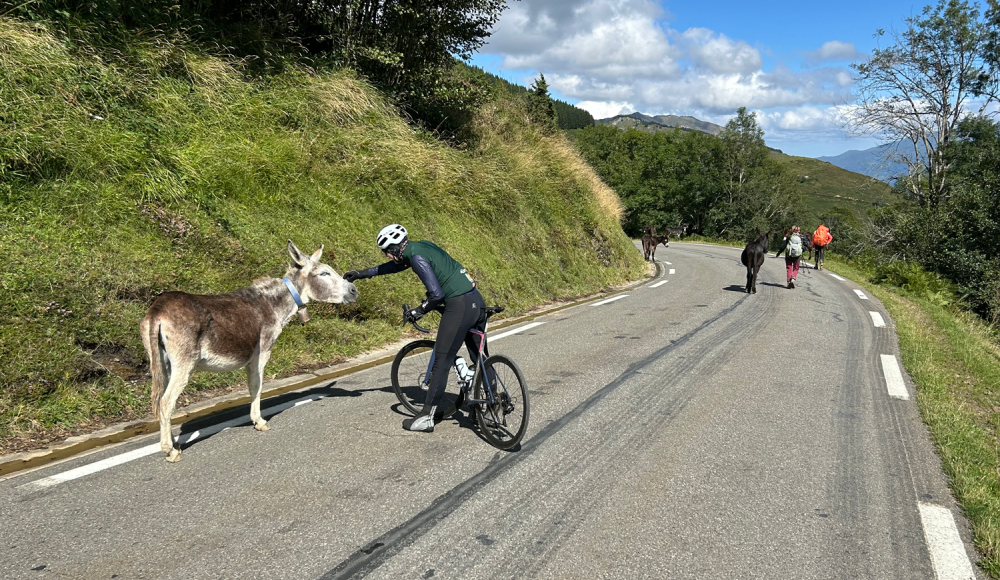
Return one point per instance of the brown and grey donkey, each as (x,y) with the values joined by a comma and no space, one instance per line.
(184,332)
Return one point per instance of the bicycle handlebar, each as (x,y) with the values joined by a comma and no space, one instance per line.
(406,308)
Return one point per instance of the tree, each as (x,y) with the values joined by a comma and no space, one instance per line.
(541,109)
(915,92)
(756,192)
(743,149)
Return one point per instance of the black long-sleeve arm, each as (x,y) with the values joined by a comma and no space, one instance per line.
(423,270)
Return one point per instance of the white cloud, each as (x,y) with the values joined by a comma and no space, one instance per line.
(603,110)
(606,40)
(833,50)
(718,53)
(619,56)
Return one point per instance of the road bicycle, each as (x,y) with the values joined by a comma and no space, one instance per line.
(494,390)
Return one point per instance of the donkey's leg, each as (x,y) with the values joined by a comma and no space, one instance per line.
(255,379)
(180,373)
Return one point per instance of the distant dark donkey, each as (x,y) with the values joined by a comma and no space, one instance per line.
(649,242)
(753,257)
(679,231)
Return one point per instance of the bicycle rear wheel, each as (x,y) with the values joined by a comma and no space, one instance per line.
(504,421)
(410,373)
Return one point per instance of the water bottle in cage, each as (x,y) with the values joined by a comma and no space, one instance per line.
(464,372)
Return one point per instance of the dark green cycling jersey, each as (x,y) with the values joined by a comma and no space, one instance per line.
(443,277)
(451,276)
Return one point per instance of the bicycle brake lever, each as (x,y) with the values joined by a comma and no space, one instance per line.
(406,309)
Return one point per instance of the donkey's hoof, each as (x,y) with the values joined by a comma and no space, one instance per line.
(174,456)
(262,426)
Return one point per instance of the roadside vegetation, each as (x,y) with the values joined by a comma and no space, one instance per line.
(135,161)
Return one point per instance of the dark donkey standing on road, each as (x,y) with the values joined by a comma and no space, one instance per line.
(185,332)
(649,242)
(752,257)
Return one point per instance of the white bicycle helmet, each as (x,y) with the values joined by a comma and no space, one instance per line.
(390,235)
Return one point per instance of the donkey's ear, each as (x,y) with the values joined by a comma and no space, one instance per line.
(317,254)
(298,258)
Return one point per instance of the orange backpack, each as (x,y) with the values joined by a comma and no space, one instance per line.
(822,236)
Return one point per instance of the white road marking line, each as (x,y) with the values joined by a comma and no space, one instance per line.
(945,545)
(155,447)
(492,338)
(667,263)
(861,294)
(893,377)
(837,277)
(602,302)
(671,271)
(808,265)
(877,319)
(658,284)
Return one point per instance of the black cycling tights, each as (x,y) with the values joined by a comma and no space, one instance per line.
(460,314)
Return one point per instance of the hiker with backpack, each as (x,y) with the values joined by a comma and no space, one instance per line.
(821,239)
(792,246)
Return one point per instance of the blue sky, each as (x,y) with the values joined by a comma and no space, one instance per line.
(787,61)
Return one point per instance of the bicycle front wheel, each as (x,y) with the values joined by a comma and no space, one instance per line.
(504,421)
(410,375)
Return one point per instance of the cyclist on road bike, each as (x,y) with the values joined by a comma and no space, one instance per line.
(448,285)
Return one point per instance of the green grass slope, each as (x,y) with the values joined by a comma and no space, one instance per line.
(153,165)
(827,188)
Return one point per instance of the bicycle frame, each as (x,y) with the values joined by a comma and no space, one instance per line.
(483,354)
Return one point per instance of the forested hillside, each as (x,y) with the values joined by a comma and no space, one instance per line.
(567,116)
(727,186)
(136,160)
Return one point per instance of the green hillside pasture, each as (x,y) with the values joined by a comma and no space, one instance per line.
(154,166)
(826,188)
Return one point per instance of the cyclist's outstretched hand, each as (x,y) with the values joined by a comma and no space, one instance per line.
(352,275)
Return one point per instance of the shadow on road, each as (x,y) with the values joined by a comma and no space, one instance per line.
(328,390)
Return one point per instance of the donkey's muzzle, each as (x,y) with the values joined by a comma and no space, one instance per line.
(350,293)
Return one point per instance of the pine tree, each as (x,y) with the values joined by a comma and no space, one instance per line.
(541,109)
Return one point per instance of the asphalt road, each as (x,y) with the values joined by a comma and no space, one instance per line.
(686,430)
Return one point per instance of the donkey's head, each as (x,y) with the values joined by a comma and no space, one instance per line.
(318,281)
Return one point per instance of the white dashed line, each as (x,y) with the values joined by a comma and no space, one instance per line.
(945,545)
(155,447)
(877,319)
(838,277)
(861,294)
(515,331)
(658,284)
(893,377)
(671,271)
(619,297)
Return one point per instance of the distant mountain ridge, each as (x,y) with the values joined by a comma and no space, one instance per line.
(870,162)
(649,122)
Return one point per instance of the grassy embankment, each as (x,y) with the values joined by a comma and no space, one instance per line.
(153,165)
(954,361)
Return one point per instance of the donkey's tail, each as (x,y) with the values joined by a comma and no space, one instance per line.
(155,350)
